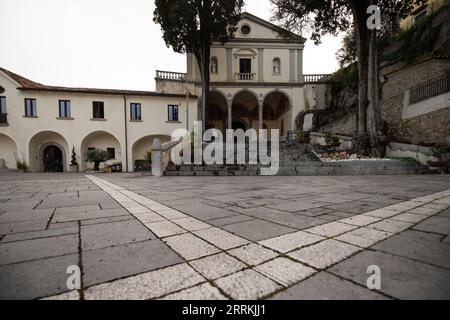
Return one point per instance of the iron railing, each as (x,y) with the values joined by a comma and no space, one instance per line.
(168,75)
(430,89)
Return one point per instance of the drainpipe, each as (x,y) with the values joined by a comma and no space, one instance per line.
(126,131)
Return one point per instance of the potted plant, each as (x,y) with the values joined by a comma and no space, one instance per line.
(441,153)
(332,141)
(97,156)
(303,137)
(73,167)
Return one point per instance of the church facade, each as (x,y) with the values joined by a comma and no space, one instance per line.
(257,81)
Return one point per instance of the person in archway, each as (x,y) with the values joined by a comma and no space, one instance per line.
(46,163)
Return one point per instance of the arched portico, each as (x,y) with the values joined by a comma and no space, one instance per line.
(48,150)
(244,110)
(141,148)
(8,152)
(104,141)
(277,109)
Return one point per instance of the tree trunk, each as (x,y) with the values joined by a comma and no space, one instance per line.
(205,84)
(362,39)
(368,139)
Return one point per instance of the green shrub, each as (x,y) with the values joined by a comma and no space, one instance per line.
(22,166)
(97,156)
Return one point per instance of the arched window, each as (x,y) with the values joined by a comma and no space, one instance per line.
(276,66)
(214,65)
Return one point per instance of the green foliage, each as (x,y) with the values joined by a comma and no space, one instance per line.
(22,166)
(346,55)
(332,140)
(439,150)
(73,161)
(187,24)
(416,42)
(331,17)
(346,77)
(97,155)
(405,159)
(303,137)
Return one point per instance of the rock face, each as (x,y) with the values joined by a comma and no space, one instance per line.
(346,100)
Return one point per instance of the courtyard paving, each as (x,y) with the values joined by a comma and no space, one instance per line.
(139,237)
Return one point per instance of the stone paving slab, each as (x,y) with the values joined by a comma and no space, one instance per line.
(35,279)
(324,254)
(246,207)
(253,254)
(103,265)
(420,249)
(400,278)
(190,247)
(39,234)
(35,249)
(202,292)
(256,230)
(113,234)
(217,266)
(291,241)
(146,286)
(285,271)
(247,285)
(325,286)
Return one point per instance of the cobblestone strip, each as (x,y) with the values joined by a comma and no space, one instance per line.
(221,265)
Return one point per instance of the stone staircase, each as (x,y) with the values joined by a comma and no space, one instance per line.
(298,160)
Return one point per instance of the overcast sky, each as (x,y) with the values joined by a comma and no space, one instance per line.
(105,43)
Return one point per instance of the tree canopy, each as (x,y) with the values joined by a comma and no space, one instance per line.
(190,26)
(335,16)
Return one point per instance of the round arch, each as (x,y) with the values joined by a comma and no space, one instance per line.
(40,143)
(8,152)
(141,147)
(244,103)
(100,140)
(277,110)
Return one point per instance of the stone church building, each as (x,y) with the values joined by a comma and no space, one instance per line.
(257,81)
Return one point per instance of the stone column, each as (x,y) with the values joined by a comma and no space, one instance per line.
(230,113)
(229,64)
(260,113)
(300,76)
(260,65)
(292,65)
(157,159)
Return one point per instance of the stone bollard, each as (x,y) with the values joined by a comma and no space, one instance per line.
(157,159)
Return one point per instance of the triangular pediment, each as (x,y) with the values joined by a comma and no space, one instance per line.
(258,28)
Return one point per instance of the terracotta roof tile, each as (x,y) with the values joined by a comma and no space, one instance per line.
(26,84)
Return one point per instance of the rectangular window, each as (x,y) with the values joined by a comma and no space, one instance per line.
(30,108)
(3,105)
(98,110)
(173,113)
(3,111)
(135,112)
(111,153)
(245,66)
(64,109)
